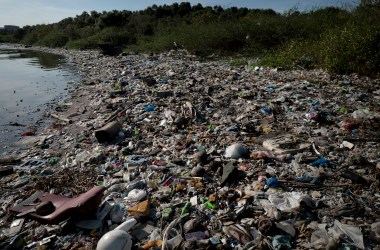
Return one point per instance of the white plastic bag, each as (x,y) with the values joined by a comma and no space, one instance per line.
(352,234)
(290,201)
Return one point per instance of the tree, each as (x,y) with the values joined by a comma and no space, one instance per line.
(184,9)
(369,3)
(197,7)
(113,19)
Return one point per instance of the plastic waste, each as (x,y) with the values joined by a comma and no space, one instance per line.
(312,115)
(266,110)
(46,172)
(236,151)
(136,195)
(71,162)
(156,162)
(270,209)
(82,157)
(150,108)
(270,88)
(285,144)
(286,227)
(108,132)
(281,242)
(116,213)
(117,239)
(375,227)
(273,182)
(352,234)
(174,239)
(319,239)
(363,114)
(186,208)
(290,201)
(321,162)
(136,159)
(54,160)
(28,133)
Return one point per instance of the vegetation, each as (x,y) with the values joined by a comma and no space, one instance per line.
(341,40)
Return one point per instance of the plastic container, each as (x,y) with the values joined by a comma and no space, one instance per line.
(108,132)
(236,151)
(117,239)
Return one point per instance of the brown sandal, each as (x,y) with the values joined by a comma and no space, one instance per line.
(57,207)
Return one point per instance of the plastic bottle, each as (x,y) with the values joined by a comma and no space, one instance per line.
(117,239)
(186,208)
(139,184)
(116,213)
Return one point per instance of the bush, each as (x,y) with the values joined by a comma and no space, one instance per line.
(7,38)
(355,48)
(30,38)
(341,40)
(295,54)
(112,36)
(84,43)
(213,37)
(54,39)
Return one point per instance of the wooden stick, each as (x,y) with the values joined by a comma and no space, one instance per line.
(114,115)
(309,185)
(62,118)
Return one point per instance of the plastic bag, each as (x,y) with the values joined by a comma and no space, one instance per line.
(375,227)
(352,234)
(319,239)
(136,195)
(290,201)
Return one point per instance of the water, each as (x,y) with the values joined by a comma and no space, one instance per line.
(29,82)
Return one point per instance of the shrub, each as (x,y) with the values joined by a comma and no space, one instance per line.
(355,48)
(54,39)
(341,40)
(111,36)
(294,54)
(202,39)
(84,43)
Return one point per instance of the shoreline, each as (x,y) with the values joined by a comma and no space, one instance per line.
(32,95)
(172,107)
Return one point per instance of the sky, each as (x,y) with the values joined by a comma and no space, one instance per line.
(31,12)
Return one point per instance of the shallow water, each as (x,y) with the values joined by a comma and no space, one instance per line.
(30,81)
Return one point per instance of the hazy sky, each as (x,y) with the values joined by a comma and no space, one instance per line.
(30,12)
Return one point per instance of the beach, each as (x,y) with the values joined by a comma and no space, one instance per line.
(182,128)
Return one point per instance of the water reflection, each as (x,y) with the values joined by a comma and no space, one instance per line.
(46,60)
(30,81)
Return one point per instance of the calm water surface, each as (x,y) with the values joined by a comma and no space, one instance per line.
(30,81)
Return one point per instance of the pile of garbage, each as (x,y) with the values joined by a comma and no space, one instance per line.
(169,152)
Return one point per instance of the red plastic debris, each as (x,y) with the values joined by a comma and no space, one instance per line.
(28,133)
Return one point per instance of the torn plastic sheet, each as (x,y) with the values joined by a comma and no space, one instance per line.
(290,201)
(352,234)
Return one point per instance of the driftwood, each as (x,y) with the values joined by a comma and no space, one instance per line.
(61,118)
